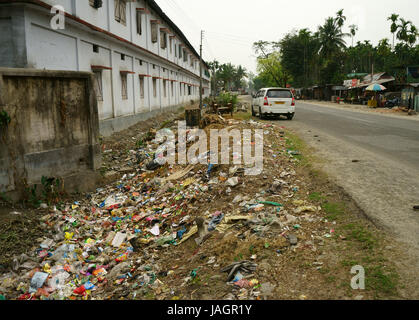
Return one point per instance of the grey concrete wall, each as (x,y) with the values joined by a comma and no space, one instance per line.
(12,37)
(54,127)
(110,126)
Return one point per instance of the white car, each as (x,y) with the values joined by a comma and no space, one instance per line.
(274,102)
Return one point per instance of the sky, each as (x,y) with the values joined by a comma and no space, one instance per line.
(231,26)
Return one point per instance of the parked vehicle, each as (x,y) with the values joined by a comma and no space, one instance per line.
(393,103)
(274,102)
(393,99)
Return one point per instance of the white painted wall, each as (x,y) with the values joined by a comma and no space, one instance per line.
(72,49)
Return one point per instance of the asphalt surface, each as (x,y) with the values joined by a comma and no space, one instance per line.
(392,138)
(384,179)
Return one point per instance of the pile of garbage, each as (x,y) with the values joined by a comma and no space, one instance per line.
(106,245)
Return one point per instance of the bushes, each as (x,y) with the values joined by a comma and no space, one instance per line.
(225,98)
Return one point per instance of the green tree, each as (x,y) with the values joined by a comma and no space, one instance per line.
(393,28)
(403,30)
(269,63)
(340,19)
(353,29)
(331,38)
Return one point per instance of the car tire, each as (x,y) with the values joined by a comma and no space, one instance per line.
(290,116)
(261,117)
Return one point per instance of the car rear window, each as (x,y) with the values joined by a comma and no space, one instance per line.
(284,94)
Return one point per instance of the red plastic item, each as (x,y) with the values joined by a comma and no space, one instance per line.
(80,290)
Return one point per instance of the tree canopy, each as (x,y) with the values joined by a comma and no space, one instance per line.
(304,58)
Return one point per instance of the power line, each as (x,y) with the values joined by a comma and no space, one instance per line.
(232,41)
(184,14)
(187,23)
(231,36)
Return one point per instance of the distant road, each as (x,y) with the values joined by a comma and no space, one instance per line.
(389,137)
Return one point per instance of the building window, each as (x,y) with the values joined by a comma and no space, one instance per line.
(96,3)
(154,32)
(172,89)
(154,87)
(185,55)
(141,62)
(141,87)
(121,11)
(192,62)
(164,89)
(122,57)
(180,51)
(163,39)
(139,23)
(154,66)
(98,85)
(95,48)
(124,86)
(189,90)
(171,45)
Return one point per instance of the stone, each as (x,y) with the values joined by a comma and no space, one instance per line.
(292,239)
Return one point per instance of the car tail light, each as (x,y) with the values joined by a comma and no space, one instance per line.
(293,102)
(266,103)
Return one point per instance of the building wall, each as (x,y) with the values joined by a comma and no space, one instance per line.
(53,130)
(72,49)
(12,37)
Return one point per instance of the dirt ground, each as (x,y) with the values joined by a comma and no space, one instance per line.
(290,198)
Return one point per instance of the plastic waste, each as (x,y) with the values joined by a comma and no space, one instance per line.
(217,218)
(38,281)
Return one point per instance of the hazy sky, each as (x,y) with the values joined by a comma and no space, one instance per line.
(231,26)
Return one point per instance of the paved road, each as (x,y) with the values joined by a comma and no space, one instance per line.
(392,138)
(385,181)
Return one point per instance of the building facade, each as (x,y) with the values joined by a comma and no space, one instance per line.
(142,62)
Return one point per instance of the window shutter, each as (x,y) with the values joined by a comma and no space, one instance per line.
(139,26)
(117,11)
(154,32)
(123,10)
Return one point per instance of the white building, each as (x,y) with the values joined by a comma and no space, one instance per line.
(142,61)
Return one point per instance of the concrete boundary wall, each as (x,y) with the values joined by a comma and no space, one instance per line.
(54,128)
(110,126)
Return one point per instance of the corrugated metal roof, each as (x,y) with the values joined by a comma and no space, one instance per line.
(362,85)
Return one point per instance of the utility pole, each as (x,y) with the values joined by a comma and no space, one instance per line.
(215,80)
(200,72)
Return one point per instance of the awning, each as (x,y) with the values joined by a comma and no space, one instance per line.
(363,85)
(338,88)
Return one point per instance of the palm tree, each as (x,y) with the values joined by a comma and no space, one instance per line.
(353,29)
(393,18)
(227,75)
(403,31)
(215,67)
(331,38)
(412,36)
(340,19)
